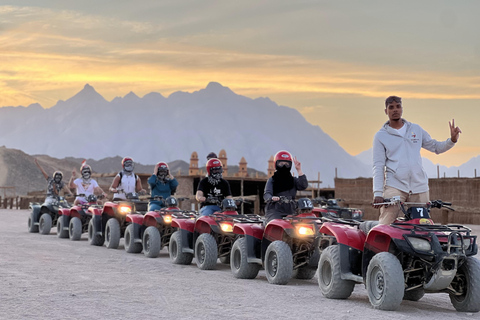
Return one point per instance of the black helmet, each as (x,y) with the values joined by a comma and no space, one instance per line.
(229,204)
(57,176)
(171,202)
(304,205)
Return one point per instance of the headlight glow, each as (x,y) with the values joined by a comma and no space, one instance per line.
(125,209)
(226,227)
(167,219)
(305,230)
(420,244)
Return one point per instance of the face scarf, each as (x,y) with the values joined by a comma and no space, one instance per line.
(162,175)
(282,180)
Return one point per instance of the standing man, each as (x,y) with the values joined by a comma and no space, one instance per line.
(397,163)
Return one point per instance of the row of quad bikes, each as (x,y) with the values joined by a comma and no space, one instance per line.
(396,262)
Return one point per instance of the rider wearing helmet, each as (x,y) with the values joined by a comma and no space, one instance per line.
(213,186)
(84,185)
(55,184)
(126,180)
(162,184)
(283,184)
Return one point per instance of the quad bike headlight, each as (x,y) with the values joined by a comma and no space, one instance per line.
(305,230)
(420,244)
(226,227)
(167,219)
(125,209)
(466,243)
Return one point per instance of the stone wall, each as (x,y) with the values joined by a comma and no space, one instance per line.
(463,193)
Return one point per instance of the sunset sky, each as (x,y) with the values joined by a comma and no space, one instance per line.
(333,61)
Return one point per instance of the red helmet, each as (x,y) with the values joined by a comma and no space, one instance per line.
(85,166)
(283,156)
(214,164)
(162,166)
(129,163)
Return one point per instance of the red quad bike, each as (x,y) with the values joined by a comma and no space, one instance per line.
(286,247)
(74,221)
(214,237)
(44,216)
(403,260)
(331,209)
(153,230)
(108,226)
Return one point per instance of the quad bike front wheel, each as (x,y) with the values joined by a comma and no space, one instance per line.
(152,242)
(467,282)
(45,223)
(175,250)
(241,269)
(112,233)
(385,283)
(94,238)
(75,229)
(61,232)
(206,252)
(278,263)
(330,277)
(32,228)
(130,245)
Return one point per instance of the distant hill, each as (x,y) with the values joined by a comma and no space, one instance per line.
(18,169)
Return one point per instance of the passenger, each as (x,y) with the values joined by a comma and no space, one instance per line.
(126,180)
(212,186)
(212,155)
(397,163)
(162,184)
(84,185)
(54,185)
(283,184)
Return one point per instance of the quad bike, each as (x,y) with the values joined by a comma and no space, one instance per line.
(44,216)
(153,231)
(331,209)
(74,221)
(108,225)
(209,237)
(285,247)
(404,260)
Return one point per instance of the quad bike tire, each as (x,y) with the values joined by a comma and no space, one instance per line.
(414,295)
(241,269)
(93,238)
(75,229)
(32,228)
(45,224)
(130,245)
(152,242)
(278,263)
(385,283)
(112,233)
(206,252)
(467,280)
(330,277)
(61,233)
(175,250)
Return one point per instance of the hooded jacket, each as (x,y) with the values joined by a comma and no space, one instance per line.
(396,160)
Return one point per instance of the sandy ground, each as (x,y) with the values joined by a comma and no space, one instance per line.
(44,277)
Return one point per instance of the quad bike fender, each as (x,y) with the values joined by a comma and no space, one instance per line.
(249,229)
(110,208)
(205,224)
(345,234)
(95,211)
(150,219)
(134,218)
(75,211)
(277,229)
(35,207)
(380,237)
(64,212)
(184,224)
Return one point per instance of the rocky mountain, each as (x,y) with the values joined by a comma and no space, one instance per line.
(155,128)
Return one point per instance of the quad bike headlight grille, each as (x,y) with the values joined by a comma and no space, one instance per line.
(420,244)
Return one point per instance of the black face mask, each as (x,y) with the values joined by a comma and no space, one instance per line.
(282,180)
(57,178)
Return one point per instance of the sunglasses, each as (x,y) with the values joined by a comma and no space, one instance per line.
(392,99)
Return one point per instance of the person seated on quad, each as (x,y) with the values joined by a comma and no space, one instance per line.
(54,185)
(283,184)
(213,186)
(126,180)
(212,155)
(162,184)
(84,185)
